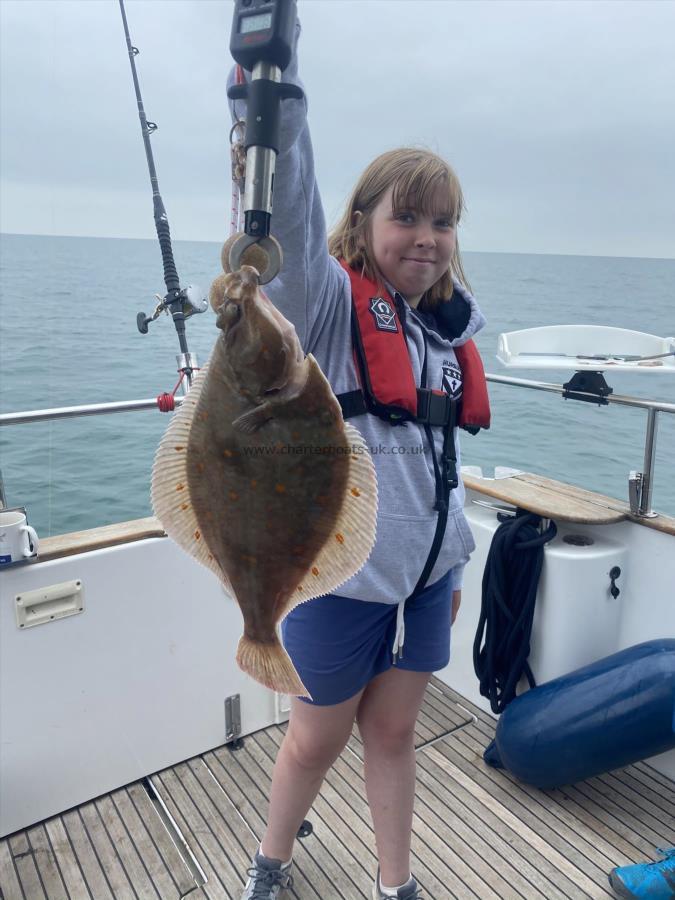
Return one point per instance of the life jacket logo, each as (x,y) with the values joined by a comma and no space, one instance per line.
(452,380)
(385,317)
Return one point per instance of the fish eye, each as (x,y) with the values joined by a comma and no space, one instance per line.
(232,312)
(229,315)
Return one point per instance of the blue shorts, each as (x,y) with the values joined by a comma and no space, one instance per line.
(339,644)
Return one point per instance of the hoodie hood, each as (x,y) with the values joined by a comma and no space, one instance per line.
(457,319)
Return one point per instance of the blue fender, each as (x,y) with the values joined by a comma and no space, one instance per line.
(609,714)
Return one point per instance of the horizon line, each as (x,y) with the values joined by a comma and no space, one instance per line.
(99,237)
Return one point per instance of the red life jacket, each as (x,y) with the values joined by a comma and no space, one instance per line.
(388,388)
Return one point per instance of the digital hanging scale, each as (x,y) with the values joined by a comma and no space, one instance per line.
(263,30)
(261,43)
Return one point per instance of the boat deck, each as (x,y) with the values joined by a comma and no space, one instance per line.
(477,832)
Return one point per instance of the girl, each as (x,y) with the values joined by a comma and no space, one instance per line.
(366,655)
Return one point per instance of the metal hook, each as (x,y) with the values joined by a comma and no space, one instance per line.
(241,124)
(268,244)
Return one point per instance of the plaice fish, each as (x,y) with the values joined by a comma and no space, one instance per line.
(261,480)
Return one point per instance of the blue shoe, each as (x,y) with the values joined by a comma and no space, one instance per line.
(651,881)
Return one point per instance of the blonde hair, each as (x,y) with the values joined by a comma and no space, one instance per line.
(416,178)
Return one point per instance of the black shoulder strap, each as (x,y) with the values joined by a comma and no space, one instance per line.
(433,408)
(444,484)
(353,403)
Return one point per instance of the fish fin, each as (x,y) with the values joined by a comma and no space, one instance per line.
(346,551)
(249,422)
(270,665)
(169,491)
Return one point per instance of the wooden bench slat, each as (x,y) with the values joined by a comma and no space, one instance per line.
(547,499)
(562,502)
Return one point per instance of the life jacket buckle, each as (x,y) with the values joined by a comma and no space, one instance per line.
(450,467)
(433,407)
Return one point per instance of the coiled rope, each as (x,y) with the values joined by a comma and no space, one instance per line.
(167,402)
(510,583)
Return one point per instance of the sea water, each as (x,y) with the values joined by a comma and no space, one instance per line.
(68,336)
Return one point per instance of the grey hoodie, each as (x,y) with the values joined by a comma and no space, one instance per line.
(313,291)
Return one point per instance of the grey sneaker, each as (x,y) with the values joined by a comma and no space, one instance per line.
(268,879)
(409,891)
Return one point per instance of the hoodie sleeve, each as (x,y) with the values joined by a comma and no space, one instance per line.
(458,575)
(311,284)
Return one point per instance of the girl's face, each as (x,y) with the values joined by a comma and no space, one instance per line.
(412,249)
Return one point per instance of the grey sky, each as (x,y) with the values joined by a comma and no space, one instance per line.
(557,116)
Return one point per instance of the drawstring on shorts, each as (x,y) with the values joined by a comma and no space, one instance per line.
(397,648)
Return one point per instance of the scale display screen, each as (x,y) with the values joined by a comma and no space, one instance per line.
(263,31)
(260,22)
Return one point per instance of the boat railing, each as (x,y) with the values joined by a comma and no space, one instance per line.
(640,484)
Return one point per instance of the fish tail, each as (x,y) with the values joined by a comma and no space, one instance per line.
(269,664)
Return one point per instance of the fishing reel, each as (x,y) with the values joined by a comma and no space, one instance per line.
(186,302)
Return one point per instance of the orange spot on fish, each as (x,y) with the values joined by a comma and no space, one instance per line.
(200,467)
(203,416)
(180,487)
(315,571)
(184,506)
(178,449)
(210,557)
(197,535)
(300,587)
(228,453)
(280,488)
(339,538)
(356,492)
(249,559)
(234,495)
(254,483)
(208,515)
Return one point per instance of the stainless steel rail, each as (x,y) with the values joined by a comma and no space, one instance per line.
(656,405)
(640,483)
(73,412)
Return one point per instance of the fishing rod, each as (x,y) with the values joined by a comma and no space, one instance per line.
(181,303)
